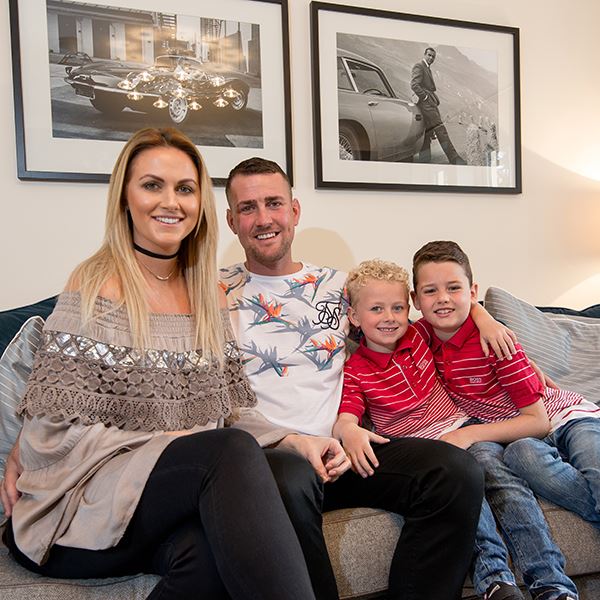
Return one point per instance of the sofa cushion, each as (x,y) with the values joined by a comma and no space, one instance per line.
(15,368)
(591,312)
(16,583)
(565,346)
(12,320)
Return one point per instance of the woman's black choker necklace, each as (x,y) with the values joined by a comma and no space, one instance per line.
(153,254)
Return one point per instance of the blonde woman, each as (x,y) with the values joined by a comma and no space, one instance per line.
(125,466)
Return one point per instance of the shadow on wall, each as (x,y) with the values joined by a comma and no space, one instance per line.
(320,247)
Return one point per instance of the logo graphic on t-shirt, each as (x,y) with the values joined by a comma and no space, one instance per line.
(329,313)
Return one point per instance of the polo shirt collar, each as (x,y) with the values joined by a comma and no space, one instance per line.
(458,340)
(383,359)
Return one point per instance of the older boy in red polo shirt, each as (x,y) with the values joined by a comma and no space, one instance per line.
(392,378)
(505,397)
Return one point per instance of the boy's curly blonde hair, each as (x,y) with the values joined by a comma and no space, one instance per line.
(374,270)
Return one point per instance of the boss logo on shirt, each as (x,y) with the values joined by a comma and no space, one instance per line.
(475,379)
(423,364)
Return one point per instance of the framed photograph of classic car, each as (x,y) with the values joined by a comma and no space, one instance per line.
(408,102)
(87,75)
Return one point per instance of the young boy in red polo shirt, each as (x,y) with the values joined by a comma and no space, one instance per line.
(504,397)
(392,378)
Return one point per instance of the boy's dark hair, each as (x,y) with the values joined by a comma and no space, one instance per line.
(255,166)
(441,251)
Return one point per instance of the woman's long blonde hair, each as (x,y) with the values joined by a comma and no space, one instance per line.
(115,260)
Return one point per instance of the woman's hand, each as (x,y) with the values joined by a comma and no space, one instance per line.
(8,486)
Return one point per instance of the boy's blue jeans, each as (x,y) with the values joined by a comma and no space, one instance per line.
(564,467)
(523,527)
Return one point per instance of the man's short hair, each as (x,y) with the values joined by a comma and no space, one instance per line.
(430,48)
(438,252)
(255,166)
(374,270)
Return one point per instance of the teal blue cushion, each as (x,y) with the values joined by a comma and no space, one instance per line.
(12,320)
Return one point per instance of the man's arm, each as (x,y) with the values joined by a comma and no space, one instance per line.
(325,454)
(8,487)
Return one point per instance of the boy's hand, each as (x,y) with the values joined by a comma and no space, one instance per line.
(492,333)
(545,379)
(501,339)
(357,444)
(459,437)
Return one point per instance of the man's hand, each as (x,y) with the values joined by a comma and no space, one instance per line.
(325,454)
(357,444)
(8,486)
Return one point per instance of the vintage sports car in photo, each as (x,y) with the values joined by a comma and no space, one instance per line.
(374,123)
(177,84)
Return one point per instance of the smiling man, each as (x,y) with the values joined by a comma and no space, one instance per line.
(290,321)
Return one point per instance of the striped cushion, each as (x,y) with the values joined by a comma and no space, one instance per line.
(567,348)
(15,367)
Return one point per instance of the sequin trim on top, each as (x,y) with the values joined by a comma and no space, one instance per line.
(78,377)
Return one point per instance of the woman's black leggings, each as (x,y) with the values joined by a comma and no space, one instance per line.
(210,521)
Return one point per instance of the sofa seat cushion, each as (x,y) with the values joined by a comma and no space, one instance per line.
(17,583)
(361,543)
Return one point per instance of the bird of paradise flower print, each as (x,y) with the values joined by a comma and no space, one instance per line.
(330,346)
(238,279)
(310,279)
(268,358)
(266,311)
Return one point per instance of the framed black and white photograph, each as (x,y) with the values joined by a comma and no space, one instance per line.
(87,75)
(411,102)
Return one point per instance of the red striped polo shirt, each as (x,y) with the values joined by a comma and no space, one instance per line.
(400,391)
(492,389)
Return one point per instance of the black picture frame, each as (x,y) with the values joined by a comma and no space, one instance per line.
(366,113)
(81,157)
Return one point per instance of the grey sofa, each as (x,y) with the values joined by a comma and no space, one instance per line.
(361,541)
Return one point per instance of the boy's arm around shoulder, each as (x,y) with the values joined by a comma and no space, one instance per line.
(493,333)
(501,339)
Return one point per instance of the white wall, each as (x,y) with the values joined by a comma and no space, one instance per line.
(543,245)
